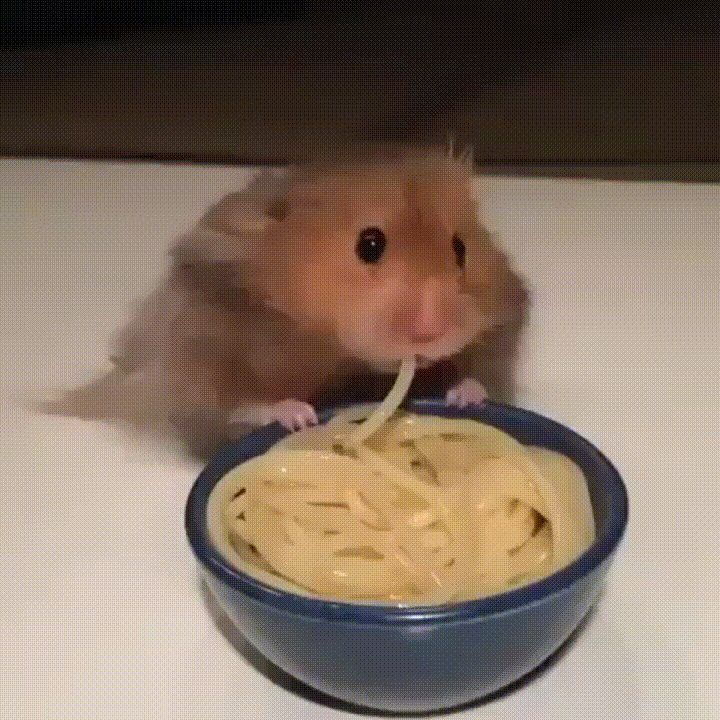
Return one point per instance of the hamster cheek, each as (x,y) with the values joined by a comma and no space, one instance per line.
(367,336)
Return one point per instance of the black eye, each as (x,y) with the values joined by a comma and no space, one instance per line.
(371,245)
(459,249)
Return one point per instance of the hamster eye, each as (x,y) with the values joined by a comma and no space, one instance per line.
(459,249)
(371,245)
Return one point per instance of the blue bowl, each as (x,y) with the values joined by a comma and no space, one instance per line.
(419,659)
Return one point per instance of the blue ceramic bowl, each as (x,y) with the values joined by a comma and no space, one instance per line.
(420,659)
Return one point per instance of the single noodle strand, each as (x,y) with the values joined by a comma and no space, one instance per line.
(388,406)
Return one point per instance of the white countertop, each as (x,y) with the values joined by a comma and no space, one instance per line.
(100,612)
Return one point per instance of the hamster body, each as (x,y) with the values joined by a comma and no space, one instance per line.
(307,290)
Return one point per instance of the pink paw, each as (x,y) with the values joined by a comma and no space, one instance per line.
(467,392)
(293,414)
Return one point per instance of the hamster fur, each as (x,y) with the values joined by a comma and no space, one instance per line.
(306,290)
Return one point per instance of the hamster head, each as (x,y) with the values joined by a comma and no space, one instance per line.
(385,253)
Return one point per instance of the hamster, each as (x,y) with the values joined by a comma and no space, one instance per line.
(307,290)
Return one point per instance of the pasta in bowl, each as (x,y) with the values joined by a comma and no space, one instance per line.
(408,560)
(429,510)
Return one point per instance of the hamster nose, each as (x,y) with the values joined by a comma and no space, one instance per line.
(425,336)
(418,324)
(432,318)
(427,314)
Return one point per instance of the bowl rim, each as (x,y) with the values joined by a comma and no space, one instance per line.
(233,454)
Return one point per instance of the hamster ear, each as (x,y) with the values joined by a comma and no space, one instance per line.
(225,251)
(500,289)
(226,233)
(227,239)
(252,210)
(238,214)
(215,265)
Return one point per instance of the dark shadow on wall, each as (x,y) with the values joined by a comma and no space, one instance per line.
(531,85)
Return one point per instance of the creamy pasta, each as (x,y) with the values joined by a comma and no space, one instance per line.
(380,505)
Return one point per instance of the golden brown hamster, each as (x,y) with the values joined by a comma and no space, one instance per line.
(308,289)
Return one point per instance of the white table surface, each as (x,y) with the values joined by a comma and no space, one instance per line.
(100,612)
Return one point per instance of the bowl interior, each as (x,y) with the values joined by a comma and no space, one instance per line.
(607,494)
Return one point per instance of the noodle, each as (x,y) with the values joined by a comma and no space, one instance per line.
(401,508)
(388,406)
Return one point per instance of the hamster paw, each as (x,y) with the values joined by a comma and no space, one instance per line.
(467,392)
(293,414)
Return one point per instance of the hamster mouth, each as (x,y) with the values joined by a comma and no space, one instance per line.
(423,361)
(384,352)
(392,366)
(448,346)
